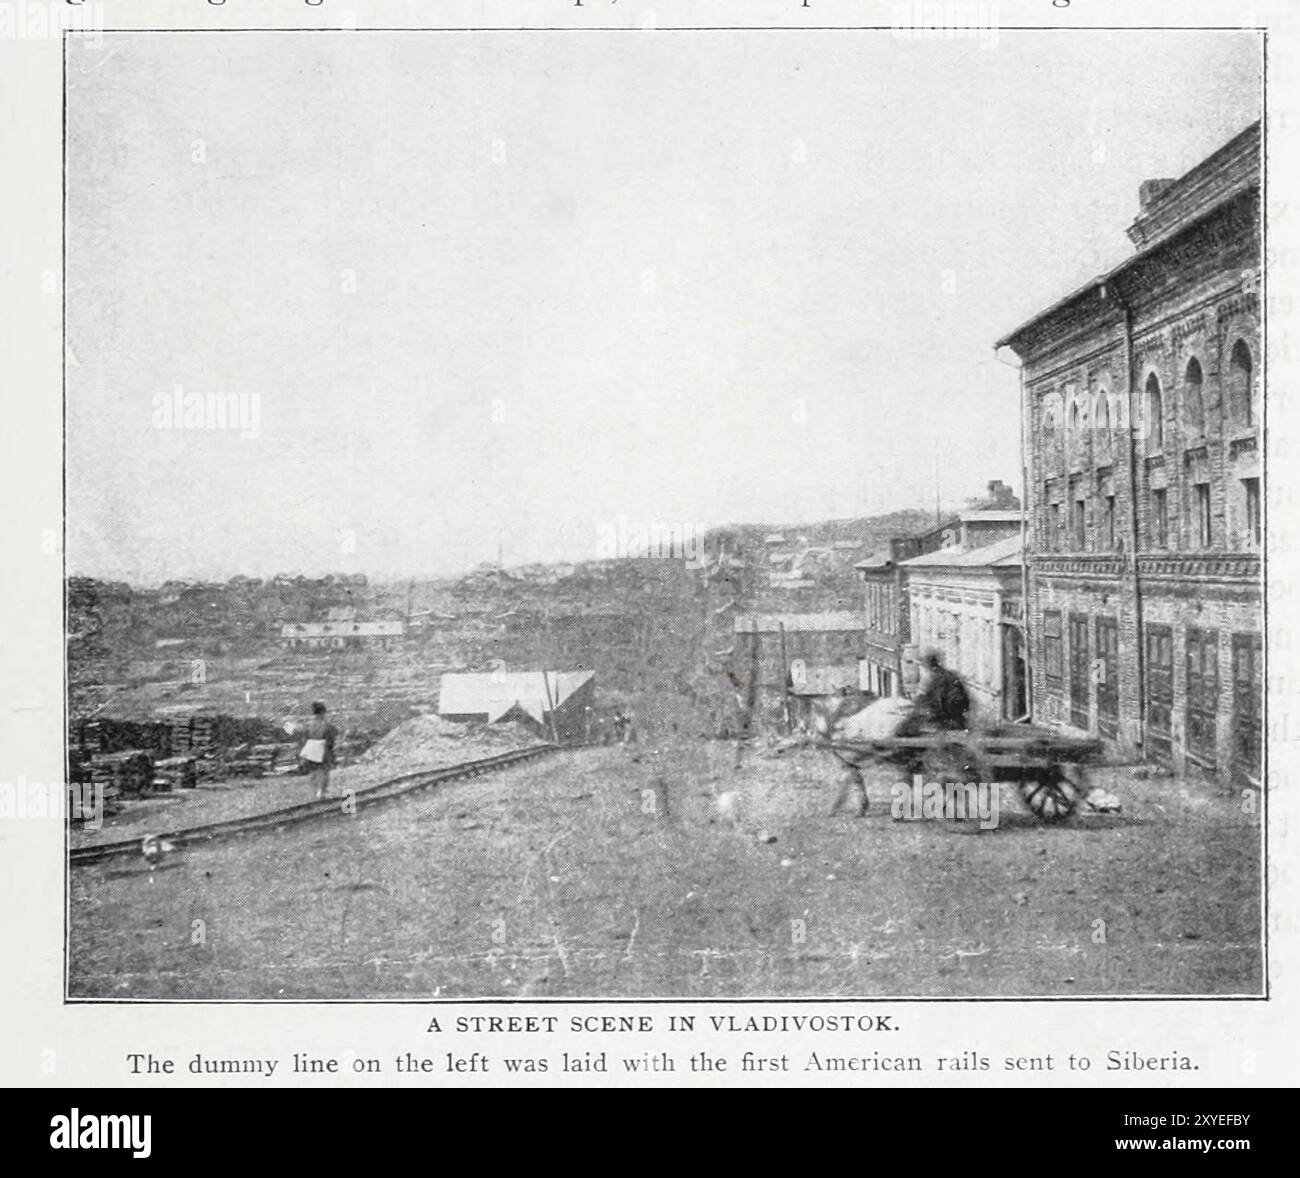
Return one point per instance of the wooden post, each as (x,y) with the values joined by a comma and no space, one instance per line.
(550,705)
(750,697)
(785,682)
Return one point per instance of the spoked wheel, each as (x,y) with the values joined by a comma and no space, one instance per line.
(1050,795)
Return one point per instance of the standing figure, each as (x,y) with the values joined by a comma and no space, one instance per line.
(317,752)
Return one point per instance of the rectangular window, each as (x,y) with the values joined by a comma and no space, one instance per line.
(1160,691)
(1247,706)
(1053,659)
(1080,525)
(1202,693)
(1160,518)
(1253,521)
(1109,525)
(1053,527)
(1106,674)
(1201,514)
(1079,670)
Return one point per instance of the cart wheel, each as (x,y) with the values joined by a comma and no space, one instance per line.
(1050,796)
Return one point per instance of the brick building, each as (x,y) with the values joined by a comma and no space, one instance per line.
(1142,402)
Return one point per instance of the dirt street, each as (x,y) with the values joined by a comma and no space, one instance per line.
(609,873)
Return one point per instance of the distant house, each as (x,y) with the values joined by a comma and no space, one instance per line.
(531,698)
(890,662)
(339,635)
(790,657)
(813,685)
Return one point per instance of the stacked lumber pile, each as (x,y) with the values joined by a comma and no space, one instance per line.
(174,773)
(203,730)
(178,735)
(116,736)
(127,772)
(275,758)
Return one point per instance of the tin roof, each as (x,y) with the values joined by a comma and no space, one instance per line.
(1002,554)
(494,693)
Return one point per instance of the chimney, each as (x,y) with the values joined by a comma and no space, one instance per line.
(1150,191)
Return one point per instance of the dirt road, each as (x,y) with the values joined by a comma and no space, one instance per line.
(595,874)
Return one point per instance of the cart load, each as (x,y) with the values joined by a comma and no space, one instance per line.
(1046,767)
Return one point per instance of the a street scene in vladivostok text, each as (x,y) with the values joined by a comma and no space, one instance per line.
(651,550)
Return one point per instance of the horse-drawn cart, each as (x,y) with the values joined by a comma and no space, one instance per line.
(1045,766)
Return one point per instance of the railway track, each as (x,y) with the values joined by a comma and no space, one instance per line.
(368,798)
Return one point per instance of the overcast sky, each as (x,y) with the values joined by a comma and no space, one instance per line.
(504,289)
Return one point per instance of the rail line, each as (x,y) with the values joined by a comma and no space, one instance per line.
(371,796)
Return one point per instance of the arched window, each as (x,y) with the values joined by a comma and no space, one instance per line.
(1155,422)
(1102,415)
(1193,399)
(1241,390)
(1074,416)
(1051,412)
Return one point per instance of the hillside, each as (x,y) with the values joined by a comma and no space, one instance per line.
(657,632)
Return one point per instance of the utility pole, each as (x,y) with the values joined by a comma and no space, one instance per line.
(785,681)
(938,516)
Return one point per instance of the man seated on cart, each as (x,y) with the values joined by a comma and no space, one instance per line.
(943,703)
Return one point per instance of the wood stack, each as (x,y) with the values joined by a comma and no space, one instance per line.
(129,772)
(178,728)
(175,773)
(275,758)
(237,761)
(203,730)
(90,736)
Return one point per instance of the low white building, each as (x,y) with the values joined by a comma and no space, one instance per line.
(966,603)
(341,634)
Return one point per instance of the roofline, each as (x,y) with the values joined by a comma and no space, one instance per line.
(1142,254)
(1003,562)
(1013,558)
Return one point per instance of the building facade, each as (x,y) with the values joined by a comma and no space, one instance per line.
(965,604)
(1143,418)
(889,660)
(782,661)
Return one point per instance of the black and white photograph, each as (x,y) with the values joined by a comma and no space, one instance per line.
(712,514)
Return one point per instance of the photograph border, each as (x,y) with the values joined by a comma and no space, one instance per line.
(1262,34)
